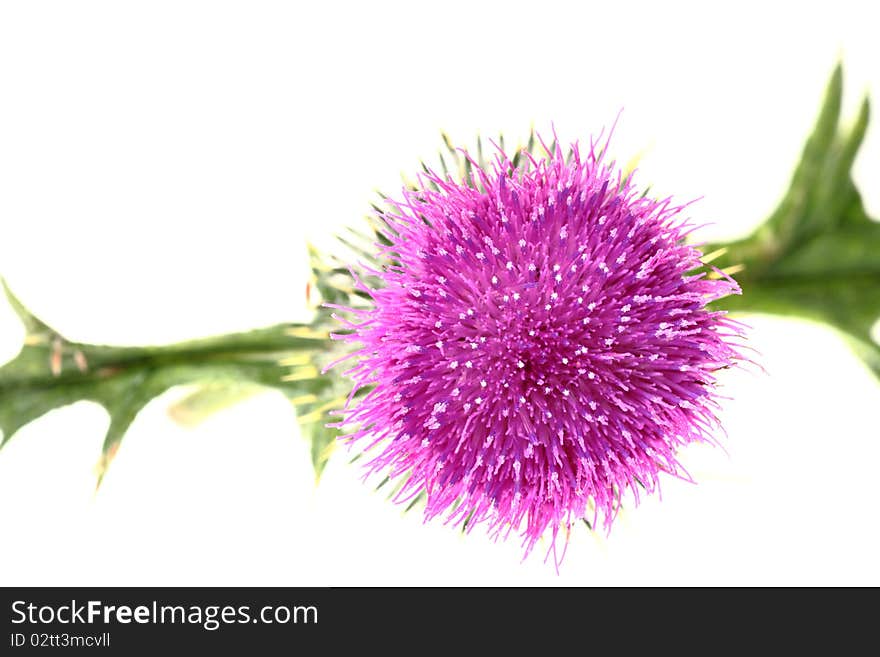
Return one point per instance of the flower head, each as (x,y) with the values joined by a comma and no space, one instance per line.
(538,345)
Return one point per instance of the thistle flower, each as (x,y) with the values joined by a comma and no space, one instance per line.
(537,342)
(537,346)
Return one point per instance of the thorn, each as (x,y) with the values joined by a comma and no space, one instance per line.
(717,253)
(418,498)
(306,333)
(294,360)
(317,414)
(304,399)
(104,463)
(80,359)
(726,272)
(301,374)
(55,357)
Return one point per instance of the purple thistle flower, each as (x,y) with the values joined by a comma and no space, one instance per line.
(538,345)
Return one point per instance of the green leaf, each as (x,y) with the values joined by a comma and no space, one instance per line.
(32,325)
(818,254)
(124,398)
(792,215)
(841,194)
(50,372)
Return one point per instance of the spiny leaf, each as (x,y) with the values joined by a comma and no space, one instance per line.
(123,401)
(791,216)
(32,325)
(818,255)
(833,191)
(847,195)
(50,372)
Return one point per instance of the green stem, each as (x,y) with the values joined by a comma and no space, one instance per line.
(71,363)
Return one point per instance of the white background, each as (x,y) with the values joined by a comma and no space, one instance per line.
(162,162)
